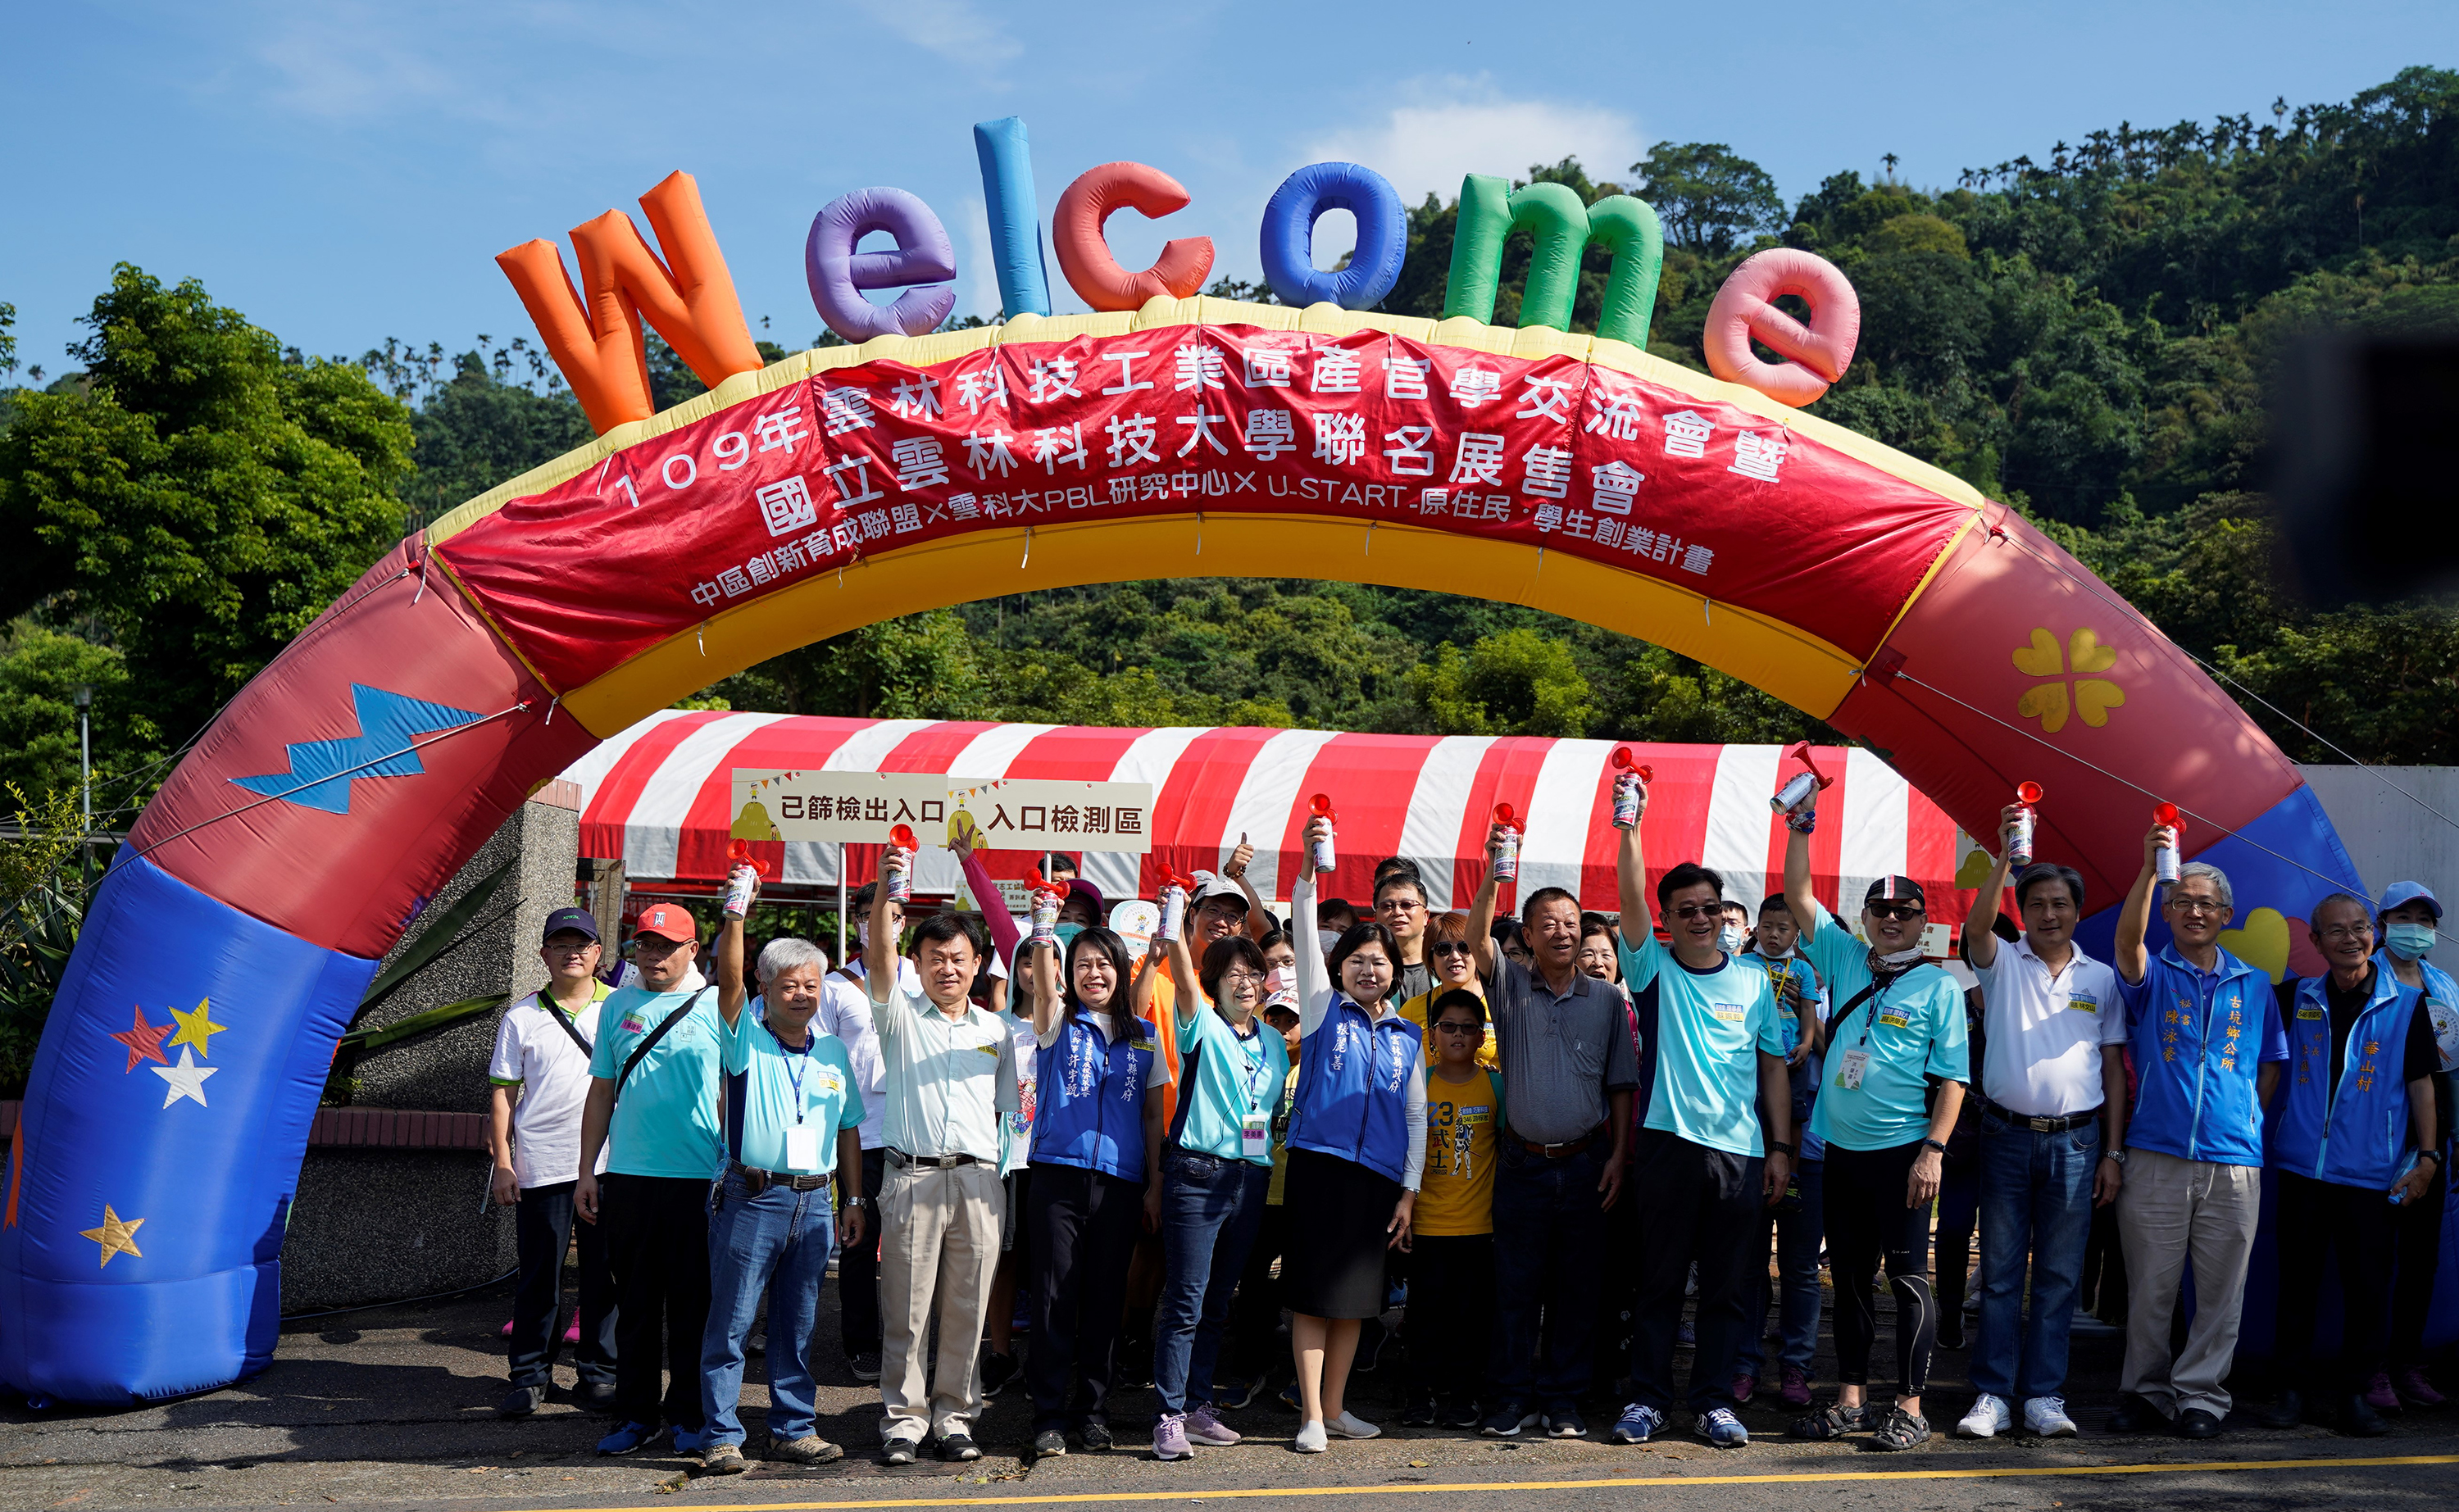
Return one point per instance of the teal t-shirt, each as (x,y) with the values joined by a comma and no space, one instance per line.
(1711,1026)
(1234,1076)
(771,1087)
(666,1119)
(1910,1032)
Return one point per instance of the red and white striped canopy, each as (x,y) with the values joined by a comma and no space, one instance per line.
(658,796)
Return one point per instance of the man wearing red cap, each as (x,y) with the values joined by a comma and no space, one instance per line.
(654,1073)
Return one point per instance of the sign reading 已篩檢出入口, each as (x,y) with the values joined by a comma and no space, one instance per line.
(999,813)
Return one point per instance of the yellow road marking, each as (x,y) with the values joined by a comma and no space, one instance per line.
(1409,1488)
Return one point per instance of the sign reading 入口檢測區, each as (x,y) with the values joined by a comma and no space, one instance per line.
(1000,814)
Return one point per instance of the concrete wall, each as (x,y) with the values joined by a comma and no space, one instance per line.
(2391,836)
(377,1224)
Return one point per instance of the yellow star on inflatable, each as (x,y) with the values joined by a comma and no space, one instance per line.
(195,1027)
(117,1235)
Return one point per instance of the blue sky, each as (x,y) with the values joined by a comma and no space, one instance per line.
(344,171)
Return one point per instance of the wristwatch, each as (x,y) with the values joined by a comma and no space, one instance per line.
(1779,1148)
(1931,1143)
(2119,1155)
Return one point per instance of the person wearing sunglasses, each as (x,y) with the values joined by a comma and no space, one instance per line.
(1452,958)
(1896,1069)
(1715,1147)
(2208,1046)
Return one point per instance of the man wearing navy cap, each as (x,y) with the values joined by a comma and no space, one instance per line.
(2408,916)
(541,1071)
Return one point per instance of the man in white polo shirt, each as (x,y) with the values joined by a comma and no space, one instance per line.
(949,1074)
(2052,1089)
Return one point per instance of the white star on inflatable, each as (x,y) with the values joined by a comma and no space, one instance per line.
(187,1079)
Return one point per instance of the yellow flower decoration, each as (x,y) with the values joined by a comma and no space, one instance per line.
(2064,689)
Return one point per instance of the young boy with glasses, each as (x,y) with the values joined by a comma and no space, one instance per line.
(1451,1255)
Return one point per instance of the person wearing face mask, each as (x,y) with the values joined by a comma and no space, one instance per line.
(793,1155)
(1358,1150)
(1452,959)
(2357,1124)
(2052,1097)
(1716,1145)
(1896,1070)
(1096,1114)
(2208,1047)
(2408,916)
(1735,929)
(1801,1017)
(1204,1189)
(1568,1072)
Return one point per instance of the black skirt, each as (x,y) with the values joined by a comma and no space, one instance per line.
(1340,1218)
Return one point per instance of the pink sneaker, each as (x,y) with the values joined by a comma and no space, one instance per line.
(1169,1439)
(2419,1391)
(1203,1428)
(1745,1386)
(1797,1387)
(2378,1392)
(572,1334)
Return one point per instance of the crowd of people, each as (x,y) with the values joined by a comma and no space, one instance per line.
(1553,1135)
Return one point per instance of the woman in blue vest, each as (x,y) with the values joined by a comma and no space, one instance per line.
(1358,1144)
(1091,1125)
(2355,1139)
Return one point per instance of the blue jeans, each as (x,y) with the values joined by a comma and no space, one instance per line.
(779,1240)
(2035,1205)
(1209,1210)
(1548,1232)
(1797,1298)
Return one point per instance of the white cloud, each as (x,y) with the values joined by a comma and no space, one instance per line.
(1447,127)
(956,29)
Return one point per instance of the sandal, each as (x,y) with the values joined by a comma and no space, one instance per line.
(1835,1422)
(1902,1430)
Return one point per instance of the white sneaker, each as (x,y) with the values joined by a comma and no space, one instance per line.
(1309,1439)
(2047,1417)
(1988,1418)
(1349,1425)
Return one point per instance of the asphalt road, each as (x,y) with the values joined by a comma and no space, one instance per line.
(393,1407)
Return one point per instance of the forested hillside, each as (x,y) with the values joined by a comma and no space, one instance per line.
(2086,332)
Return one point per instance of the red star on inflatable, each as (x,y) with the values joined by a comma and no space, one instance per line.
(144,1041)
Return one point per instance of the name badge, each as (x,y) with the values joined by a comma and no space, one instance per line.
(1481,1114)
(1729,1013)
(1848,1075)
(1894,1021)
(2080,1003)
(1255,1138)
(991,1049)
(802,1150)
(2313,1014)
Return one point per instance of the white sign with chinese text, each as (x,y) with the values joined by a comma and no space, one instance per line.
(1001,813)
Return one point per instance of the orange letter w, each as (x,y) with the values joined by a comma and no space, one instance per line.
(597,345)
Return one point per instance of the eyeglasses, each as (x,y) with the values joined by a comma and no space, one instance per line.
(1895,910)
(2339,932)
(657,945)
(1397,905)
(1450,1028)
(1451,948)
(1691,910)
(2197,905)
(1239,976)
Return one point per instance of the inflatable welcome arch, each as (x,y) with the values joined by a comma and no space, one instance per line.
(1165,434)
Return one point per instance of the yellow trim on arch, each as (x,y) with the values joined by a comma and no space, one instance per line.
(1502,340)
(1804,671)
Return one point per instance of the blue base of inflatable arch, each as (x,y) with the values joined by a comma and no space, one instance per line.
(126,1272)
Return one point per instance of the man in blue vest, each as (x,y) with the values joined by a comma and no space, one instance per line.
(2358,1126)
(2408,915)
(2208,1050)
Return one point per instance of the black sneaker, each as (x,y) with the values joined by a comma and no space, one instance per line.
(1565,1423)
(1095,1433)
(1231,1395)
(1049,1444)
(1508,1420)
(897,1452)
(520,1401)
(865,1366)
(997,1371)
(1419,1413)
(958,1448)
(1456,1414)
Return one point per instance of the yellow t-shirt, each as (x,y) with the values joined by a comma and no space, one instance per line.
(1415,1011)
(1281,1132)
(1457,1194)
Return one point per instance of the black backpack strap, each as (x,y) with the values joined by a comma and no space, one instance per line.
(650,1042)
(570,1022)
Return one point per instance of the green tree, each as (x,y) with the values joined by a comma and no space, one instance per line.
(1518,682)
(40,672)
(478,430)
(202,495)
(1710,197)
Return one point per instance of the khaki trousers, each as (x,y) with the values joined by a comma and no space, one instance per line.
(2171,1212)
(939,1244)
